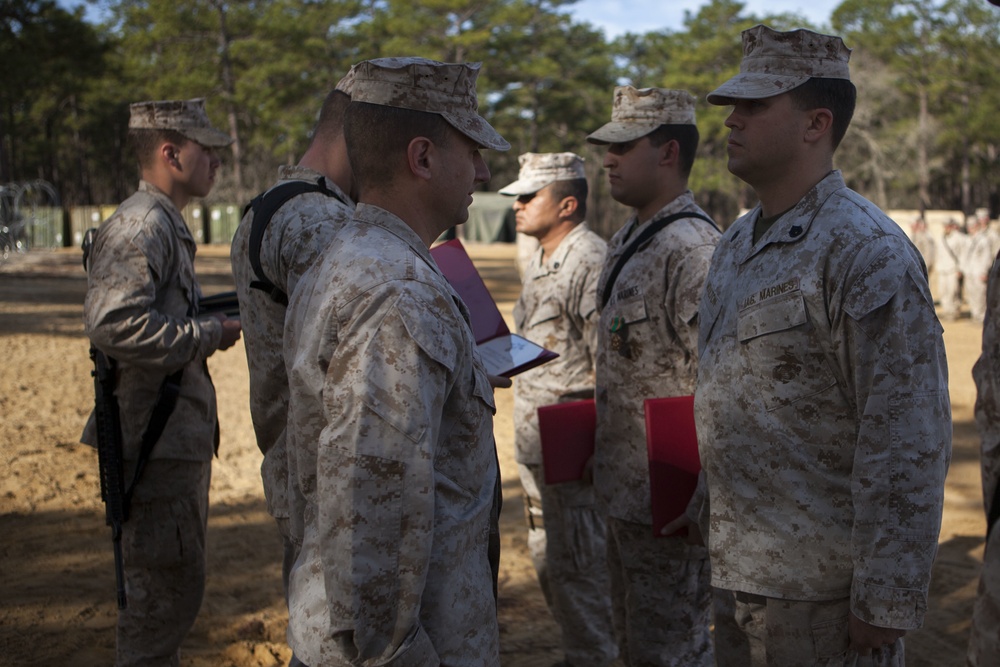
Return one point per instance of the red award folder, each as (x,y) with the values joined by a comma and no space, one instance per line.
(567,435)
(673,457)
(504,354)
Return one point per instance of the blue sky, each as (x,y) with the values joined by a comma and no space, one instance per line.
(638,16)
(619,16)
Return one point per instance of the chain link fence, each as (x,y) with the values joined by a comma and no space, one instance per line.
(30,216)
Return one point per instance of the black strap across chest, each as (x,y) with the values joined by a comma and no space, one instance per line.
(654,228)
(264,206)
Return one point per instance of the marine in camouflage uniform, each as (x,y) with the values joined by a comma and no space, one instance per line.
(952,251)
(292,242)
(141,309)
(925,243)
(647,335)
(822,405)
(983,246)
(390,439)
(984,640)
(557,309)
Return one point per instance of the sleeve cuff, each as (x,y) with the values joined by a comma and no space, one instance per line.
(419,652)
(211,336)
(897,608)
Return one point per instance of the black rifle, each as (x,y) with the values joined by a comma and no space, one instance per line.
(109,459)
(223,302)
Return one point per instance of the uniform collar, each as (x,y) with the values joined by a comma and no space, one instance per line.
(180,227)
(393,224)
(557,259)
(791,227)
(684,202)
(299,173)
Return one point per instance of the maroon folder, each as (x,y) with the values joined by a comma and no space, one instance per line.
(567,434)
(673,457)
(503,353)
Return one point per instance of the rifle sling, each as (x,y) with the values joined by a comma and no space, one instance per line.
(166,401)
(648,233)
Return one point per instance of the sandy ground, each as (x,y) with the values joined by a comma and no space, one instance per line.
(56,571)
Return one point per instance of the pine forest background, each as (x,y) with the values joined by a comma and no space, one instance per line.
(926,134)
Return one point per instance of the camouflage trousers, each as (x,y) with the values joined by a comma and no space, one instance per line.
(975,295)
(661,599)
(984,641)
(163,545)
(289,552)
(759,631)
(567,545)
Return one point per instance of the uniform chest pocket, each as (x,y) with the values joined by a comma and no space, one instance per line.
(632,311)
(548,311)
(785,350)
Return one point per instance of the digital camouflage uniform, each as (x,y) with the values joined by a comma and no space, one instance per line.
(141,298)
(984,642)
(400,485)
(141,310)
(823,419)
(983,247)
(952,251)
(822,409)
(390,441)
(292,242)
(660,585)
(566,532)
(646,349)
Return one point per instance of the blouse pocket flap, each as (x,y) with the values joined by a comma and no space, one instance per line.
(777,314)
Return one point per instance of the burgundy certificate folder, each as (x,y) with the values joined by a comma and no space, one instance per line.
(567,434)
(503,353)
(673,457)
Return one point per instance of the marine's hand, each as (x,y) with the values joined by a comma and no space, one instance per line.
(231,329)
(865,637)
(500,382)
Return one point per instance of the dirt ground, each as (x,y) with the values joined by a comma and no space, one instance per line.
(56,570)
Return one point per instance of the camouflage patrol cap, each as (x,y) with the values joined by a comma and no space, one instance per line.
(447,89)
(637,112)
(776,62)
(187,117)
(346,84)
(541,169)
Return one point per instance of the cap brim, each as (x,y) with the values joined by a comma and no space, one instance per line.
(620,133)
(476,128)
(524,187)
(207,136)
(752,86)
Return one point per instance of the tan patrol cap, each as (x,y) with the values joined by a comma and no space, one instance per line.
(541,169)
(637,112)
(447,89)
(776,62)
(346,84)
(187,117)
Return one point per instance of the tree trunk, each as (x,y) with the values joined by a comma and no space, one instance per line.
(966,169)
(229,88)
(923,168)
